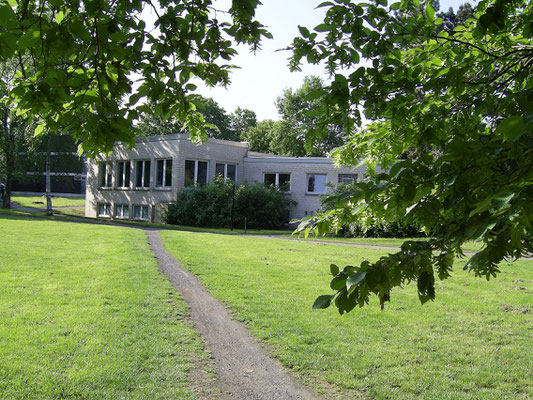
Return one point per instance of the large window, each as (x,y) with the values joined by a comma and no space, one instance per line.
(103,210)
(104,174)
(347,178)
(164,173)
(142,174)
(196,172)
(122,211)
(226,171)
(316,183)
(123,174)
(140,212)
(281,180)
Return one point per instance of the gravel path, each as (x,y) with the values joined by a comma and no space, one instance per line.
(243,369)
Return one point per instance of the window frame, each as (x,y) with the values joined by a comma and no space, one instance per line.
(141,218)
(126,173)
(225,175)
(105,179)
(107,207)
(195,175)
(144,174)
(276,180)
(123,206)
(351,177)
(165,176)
(307,191)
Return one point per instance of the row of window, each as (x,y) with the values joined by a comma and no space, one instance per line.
(196,173)
(316,183)
(139,211)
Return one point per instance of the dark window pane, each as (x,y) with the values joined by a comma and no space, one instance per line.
(285,182)
(138,176)
(219,170)
(168,173)
(109,173)
(270,179)
(120,174)
(202,173)
(189,173)
(147,174)
(160,166)
(311,183)
(127,166)
(232,172)
(102,174)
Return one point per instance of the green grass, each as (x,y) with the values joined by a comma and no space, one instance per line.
(40,201)
(85,314)
(473,342)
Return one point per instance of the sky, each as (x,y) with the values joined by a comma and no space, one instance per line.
(264,76)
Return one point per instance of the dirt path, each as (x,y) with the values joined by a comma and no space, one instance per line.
(243,369)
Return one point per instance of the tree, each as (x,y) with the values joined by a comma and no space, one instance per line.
(217,119)
(461,104)
(85,58)
(241,120)
(299,110)
(259,137)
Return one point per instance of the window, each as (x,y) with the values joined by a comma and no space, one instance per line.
(103,210)
(226,171)
(283,181)
(142,174)
(140,212)
(123,174)
(196,172)
(122,211)
(316,183)
(104,174)
(164,173)
(347,178)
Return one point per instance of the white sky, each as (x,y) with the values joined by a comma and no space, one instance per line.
(263,76)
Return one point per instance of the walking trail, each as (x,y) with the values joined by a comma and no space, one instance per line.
(243,369)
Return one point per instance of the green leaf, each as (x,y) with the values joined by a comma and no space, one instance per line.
(430,12)
(354,279)
(39,130)
(323,301)
(323,28)
(338,283)
(511,128)
(426,286)
(334,269)
(315,94)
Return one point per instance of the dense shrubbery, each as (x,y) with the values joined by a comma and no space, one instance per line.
(210,206)
(370,227)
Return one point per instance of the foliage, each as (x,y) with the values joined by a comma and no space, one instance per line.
(367,225)
(242,120)
(259,136)
(299,111)
(210,205)
(461,104)
(77,62)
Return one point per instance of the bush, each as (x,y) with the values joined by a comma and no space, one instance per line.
(210,206)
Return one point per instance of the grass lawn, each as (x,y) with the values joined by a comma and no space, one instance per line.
(85,314)
(473,342)
(40,201)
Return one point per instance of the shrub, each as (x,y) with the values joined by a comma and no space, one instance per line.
(210,206)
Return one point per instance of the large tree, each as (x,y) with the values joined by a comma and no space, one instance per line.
(86,66)
(449,115)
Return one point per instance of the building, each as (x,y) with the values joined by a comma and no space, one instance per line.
(137,184)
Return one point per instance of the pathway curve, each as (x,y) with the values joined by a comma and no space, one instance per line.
(243,369)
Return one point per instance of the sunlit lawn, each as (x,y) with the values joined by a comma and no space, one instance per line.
(473,342)
(84,314)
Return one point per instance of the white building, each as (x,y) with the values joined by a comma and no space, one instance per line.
(138,184)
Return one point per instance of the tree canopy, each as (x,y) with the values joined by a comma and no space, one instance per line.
(449,116)
(85,66)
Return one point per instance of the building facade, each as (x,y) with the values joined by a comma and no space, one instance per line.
(138,184)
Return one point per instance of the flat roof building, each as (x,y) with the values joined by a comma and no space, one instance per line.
(138,183)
